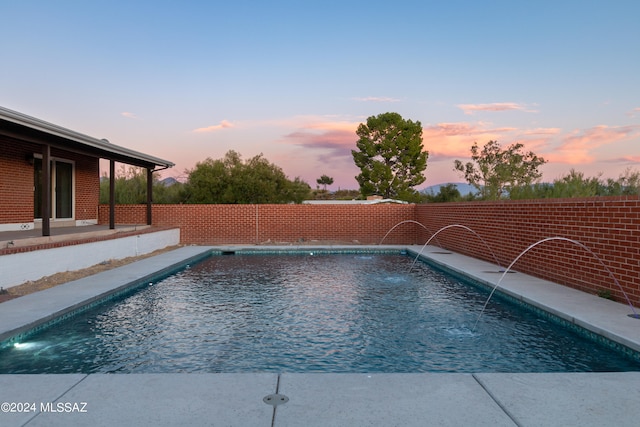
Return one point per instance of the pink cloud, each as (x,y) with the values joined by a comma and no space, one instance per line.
(223,125)
(578,147)
(331,141)
(128,115)
(633,112)
(496,106)
(542,131)
(443,140)
(336,139)
(537,140)
(597,136)
(453,140)
(447,141)
(325,149)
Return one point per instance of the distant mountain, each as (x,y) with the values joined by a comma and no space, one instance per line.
(168,182)
(462,187)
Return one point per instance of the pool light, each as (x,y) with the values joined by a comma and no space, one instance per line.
(23,345)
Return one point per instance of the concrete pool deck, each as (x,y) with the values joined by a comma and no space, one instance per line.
(440,399)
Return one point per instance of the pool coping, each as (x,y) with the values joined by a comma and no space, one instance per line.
(29,312)
(492,399)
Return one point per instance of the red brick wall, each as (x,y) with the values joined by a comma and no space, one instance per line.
(87,184)
(16,182)
(222,224)
(608,226)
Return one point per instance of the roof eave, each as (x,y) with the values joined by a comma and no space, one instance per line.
(102,146)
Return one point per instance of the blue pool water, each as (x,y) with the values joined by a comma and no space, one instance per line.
(309,313)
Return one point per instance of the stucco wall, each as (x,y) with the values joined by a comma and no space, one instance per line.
(22,266)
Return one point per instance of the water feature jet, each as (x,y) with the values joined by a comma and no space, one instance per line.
(633,315)
(452,226)
(404,222)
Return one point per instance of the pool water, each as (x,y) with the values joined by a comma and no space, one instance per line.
(309,313)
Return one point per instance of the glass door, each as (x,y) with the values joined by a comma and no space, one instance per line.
(61,189)
(64,190)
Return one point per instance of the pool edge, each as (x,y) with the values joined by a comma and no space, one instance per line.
(473,269)
(44,309)
(589,312)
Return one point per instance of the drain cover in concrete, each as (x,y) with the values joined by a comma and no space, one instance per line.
(275,399)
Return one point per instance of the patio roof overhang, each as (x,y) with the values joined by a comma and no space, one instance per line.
(27,128)
(22,127)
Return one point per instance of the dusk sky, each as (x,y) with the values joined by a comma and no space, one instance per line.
(186,80)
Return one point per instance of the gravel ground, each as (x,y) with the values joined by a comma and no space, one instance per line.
(67,276)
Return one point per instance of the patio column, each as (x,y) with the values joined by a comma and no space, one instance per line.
(112,194)
(149,194)
(46,190)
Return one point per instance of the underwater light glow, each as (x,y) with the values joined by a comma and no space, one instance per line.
(29,345)
(24,345)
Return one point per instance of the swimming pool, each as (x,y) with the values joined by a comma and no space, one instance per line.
(309,313)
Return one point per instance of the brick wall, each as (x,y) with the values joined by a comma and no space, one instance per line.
(608,226)
(254,224)
(87,184)
(16,182)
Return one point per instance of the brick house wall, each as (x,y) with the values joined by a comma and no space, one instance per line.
(608,226)
(17,182)
(87,184)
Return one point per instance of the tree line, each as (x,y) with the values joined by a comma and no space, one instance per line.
(571,184)
(512,173)
(230,180)
(391,157)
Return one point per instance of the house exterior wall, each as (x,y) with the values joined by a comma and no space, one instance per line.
(17,185)
(609,227)
(87,185)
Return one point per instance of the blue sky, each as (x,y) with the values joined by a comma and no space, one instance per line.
(187,80)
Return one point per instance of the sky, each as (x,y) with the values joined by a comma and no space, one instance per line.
(292,80)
